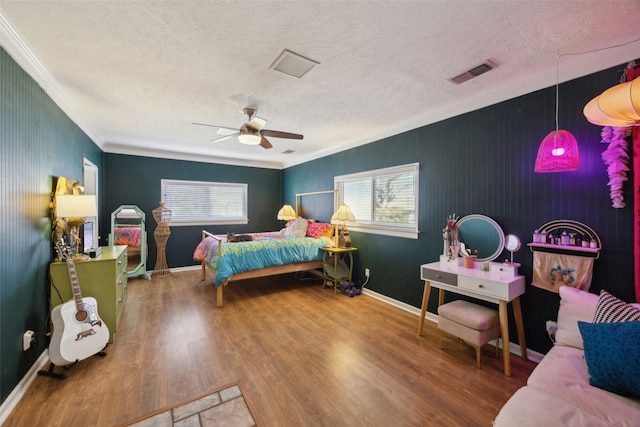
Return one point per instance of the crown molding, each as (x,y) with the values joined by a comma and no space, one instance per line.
(19,50)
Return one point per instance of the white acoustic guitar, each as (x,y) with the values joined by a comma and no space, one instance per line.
(78,331)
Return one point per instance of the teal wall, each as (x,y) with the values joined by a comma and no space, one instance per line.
(482,162)
(37,143)
(134,180)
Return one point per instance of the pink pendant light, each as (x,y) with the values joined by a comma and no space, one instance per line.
(558,151)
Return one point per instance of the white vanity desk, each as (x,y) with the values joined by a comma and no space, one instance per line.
(500,285)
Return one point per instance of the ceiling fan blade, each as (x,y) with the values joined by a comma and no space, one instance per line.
(224,138)
(264,143)
(278,134)
(216,126)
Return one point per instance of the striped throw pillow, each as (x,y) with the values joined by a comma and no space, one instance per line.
(612,309)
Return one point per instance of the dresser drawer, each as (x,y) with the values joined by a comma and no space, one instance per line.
(439,276)
(487,287)
(121,264)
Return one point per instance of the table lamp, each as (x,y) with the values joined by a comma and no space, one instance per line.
(74,209)
(342,216)
(286,213)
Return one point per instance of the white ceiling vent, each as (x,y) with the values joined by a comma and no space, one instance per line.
(288,151)
(474,72)
(293,64)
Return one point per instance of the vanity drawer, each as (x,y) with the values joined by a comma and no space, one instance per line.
(439,276)
(487,287)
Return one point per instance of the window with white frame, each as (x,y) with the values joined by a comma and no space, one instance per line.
(199,202)
(384,201)
(90,182)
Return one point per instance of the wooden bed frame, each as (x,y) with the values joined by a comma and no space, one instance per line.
(269,271)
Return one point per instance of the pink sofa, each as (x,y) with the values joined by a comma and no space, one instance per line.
(558,392)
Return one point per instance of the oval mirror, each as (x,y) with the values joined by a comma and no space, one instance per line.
(482,236)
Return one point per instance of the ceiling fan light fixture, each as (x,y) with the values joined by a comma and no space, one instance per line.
(249,136)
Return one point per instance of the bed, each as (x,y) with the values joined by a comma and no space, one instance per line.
(266,254)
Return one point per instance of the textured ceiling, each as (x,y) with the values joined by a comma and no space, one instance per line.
(135,74)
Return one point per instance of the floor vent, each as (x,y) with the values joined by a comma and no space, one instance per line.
(474,72)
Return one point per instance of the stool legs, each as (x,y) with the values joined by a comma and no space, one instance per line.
(478,348)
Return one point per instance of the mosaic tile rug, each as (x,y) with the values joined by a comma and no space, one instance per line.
(226,407)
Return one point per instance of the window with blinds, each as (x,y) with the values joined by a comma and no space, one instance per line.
(199,203)
(384,201)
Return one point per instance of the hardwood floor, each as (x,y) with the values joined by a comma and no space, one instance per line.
(304,357)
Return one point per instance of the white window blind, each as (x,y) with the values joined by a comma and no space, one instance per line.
(90,182)
(384,201)
(199,202)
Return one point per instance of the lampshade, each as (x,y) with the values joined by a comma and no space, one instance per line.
(286,213)
(342,215)
(558,152)
(249,135)
(80,206)
(616,106)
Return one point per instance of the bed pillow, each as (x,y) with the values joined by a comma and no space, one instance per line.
(319,229)
(575,305)
(612,309)
(612,354)
(298,228)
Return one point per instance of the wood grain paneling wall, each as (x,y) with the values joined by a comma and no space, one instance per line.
(482,162)
(37,143)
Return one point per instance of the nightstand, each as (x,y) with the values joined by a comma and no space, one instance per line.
(338,269)
(103,278)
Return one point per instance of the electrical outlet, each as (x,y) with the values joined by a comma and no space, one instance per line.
(27,338)
(366,272)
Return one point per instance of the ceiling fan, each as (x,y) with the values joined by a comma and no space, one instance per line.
(252,132)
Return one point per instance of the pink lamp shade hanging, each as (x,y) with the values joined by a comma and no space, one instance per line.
(558,152)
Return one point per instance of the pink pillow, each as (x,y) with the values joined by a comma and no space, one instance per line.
(319,229)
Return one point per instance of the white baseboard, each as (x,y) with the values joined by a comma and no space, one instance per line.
(16,395)
(514,348)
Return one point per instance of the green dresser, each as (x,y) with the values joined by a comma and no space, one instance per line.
(103,278)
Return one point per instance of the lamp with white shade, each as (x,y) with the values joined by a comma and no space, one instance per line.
(286,213)
(74,209)
(342,216)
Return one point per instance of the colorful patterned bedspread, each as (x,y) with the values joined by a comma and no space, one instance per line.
(266,250)
(130,236)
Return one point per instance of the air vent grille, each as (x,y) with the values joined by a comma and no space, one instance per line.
(293,64)
(474,72)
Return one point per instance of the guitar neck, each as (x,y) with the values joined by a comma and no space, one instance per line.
(75,285)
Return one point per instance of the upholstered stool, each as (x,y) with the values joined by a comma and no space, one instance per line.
(473,323)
